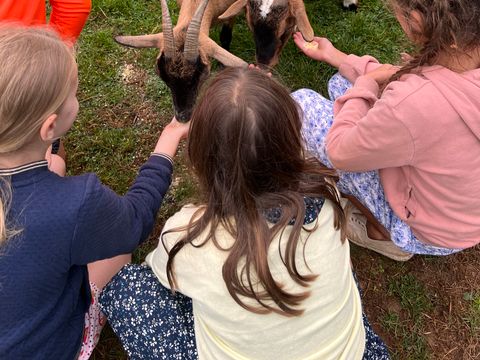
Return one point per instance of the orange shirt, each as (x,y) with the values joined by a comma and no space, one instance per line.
(67,17)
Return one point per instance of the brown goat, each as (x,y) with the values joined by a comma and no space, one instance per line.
(183,62)
(272,23)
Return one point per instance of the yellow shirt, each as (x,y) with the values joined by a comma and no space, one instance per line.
(330,328)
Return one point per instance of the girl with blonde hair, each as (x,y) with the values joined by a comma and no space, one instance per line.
(50,273)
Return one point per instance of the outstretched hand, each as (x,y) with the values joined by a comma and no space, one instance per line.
(171,136)
(320,49)
(178,128)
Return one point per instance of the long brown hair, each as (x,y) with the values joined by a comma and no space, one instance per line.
(447,28)
(246,149)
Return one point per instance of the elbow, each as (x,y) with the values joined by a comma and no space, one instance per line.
(334,160)
(337,161)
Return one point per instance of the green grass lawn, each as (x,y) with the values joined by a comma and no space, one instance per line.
(428,308)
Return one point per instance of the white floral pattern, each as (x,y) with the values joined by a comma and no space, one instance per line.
(150,321)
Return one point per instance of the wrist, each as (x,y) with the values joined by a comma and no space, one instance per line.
(336,58)
(168,142)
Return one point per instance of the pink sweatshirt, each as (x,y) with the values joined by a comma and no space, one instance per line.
(422,135)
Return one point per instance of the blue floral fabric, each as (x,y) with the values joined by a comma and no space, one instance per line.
(312,209)
(317,113)
(153,323)
(150,321)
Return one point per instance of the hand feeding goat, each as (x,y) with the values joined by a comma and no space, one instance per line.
(183,62)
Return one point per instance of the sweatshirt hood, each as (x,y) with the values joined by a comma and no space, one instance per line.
(462,91)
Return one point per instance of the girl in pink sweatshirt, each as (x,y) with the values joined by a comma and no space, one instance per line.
(409,153)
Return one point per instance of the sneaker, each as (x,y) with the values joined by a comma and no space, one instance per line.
(357,234)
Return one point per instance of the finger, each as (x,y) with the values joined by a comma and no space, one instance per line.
(406,57)
(298,40)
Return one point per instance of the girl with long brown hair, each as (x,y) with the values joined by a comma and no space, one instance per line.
(262,257)
(406,138)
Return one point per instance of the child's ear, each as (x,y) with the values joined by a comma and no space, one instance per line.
(47,130)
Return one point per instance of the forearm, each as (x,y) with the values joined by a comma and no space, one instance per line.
(69,16)
(167,144)
(353,66)
(335,57)
(366,133)
(110,224)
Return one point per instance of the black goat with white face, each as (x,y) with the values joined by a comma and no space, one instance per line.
(183,62)
(272,23)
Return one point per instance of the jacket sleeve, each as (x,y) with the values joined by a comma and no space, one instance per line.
(109,224)
(69,16)
(355,66)
(366,133)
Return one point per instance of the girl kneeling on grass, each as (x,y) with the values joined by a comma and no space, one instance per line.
(422,132)
(262,259)
(53,229)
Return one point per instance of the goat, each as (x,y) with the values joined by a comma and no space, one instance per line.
(350,4)
(272,23)
(183,62)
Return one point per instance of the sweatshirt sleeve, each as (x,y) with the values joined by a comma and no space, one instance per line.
(366,133)
(355,66)
(69,16)
(109,224)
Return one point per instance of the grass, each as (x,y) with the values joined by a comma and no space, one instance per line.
(472,317)
(415,303)
(428,308)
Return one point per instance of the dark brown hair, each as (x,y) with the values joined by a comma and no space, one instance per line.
(448,28)
(246,149)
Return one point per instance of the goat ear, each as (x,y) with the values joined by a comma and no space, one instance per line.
(141,41)
(217,52)
(233,10)
(298,10)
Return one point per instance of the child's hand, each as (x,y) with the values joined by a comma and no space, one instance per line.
(383,73)
(171,136)
(177,128)
(405,57)
(256,67)
(320,49)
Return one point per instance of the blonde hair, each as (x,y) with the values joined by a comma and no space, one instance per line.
(6,232)
(36,75)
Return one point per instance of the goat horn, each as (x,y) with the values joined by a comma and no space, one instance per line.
(192,38)
(141,41)
(168,41)
(220,54)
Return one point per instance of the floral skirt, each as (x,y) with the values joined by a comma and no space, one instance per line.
(152,323)
(317,113)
